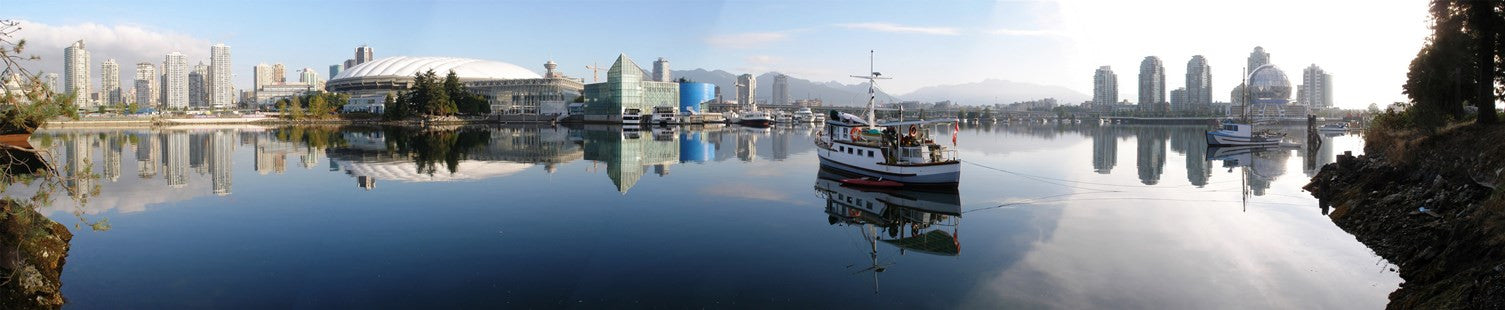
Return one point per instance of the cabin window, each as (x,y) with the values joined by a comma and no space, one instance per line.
(870,153)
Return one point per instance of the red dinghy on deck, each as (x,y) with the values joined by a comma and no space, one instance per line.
(871,182)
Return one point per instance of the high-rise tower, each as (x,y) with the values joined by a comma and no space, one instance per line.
(1104,86)
(1198,85)
(198,86)
(661,70)
(109,82)
(746,85)
(363,54)
(221,94)
(263,76)
(175,77)
(76,73)
(781,90)
(146,85)
(1258,58)
(1151,85)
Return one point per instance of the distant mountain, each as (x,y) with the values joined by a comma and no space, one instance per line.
(992,91)
(831,92)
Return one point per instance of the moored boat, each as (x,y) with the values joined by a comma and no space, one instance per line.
(1334,127)
(1232,134)
(902,151)
(755,118)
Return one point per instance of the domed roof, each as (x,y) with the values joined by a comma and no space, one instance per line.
(1267,84)
(465,68)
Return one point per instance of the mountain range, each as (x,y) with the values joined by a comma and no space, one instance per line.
(836,93)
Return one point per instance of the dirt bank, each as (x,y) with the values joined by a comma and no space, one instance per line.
(1430,204)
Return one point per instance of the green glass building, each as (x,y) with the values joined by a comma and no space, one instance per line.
(627,91)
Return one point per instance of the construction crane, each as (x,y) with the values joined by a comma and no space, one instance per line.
(595,69)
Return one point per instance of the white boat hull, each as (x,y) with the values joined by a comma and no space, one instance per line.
(1216,139)
(941,174)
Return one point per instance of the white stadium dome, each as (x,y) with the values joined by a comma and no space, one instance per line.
(395,73)
(465,68)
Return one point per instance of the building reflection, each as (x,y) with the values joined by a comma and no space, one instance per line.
(1151,156)
(1104,149)
(147,155)
(1193,144)
(182,157)
(222,150)
(628,153)
(910,221)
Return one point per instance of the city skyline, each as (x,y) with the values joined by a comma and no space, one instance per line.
(1048,43)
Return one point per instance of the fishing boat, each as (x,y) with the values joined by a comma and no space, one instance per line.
(901,151)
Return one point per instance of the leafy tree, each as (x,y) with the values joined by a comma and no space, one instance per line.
(318,108)
(1459,64)
(295,109)
(393,109)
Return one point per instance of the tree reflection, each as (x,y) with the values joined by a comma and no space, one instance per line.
(429,146)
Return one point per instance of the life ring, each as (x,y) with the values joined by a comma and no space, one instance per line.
(856,134)
(913,130)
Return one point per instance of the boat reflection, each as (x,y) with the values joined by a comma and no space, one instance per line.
(1261,165)
(912,221)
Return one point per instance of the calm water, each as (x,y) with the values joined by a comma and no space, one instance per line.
(1059,216)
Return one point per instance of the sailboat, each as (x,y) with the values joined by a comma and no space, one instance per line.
(901,151)
(1242,133)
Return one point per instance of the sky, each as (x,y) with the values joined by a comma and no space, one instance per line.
(1366,46)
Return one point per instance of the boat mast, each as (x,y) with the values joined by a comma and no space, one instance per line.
(872,83)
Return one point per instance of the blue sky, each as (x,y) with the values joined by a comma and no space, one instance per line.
(920,43)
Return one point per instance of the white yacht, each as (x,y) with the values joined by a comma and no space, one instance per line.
(804,116)
(902,151)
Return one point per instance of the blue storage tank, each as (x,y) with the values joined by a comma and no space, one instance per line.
(691,95)
(694,148)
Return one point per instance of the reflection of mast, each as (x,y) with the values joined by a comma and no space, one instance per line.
(871,234)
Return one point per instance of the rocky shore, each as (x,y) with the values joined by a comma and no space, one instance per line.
(1432,205)
(33,249)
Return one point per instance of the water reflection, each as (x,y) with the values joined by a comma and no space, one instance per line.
(912,221)
(506,217)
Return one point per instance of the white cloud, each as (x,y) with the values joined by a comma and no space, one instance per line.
(1018,32)
(895,28)
(127,44)
(745,40)
(764,59)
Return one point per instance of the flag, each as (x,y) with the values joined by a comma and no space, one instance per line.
(955,127)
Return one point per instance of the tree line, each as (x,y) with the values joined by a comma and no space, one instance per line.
(430,96)
(315,105)
(1460,66)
